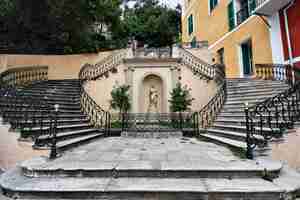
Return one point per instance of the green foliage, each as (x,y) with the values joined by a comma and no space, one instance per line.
(60,26)
(120,98)
(181,99)
(153,24)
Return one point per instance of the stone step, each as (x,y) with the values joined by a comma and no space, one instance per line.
(231,134)
(69,135)
(60,129)
(250,84)
(250,93)
(251,97)
(234,120)
(252,81)
(157,135)
(63,114)
(68,84)
(138,188)
(225,141)
(53,96)
(61,122)
(40,167)
(257,87)
(74,142)
(45,90)
(62,96)
(243,101)
(62,104)
(243,129)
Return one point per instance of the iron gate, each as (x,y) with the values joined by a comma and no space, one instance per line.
(158,122)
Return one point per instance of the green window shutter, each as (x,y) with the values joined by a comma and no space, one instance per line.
(194,43)
(231,19)
(252,5)
(190,24)
(213,4)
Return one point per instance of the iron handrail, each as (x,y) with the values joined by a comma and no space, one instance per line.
(97,116)
(272,116)
(210,111)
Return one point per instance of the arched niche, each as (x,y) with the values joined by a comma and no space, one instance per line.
(149,81)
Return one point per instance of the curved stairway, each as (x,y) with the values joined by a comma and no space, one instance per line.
(229,128)
(73,126)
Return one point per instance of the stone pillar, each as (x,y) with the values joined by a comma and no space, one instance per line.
(175,74)
(3,63)
(129,81)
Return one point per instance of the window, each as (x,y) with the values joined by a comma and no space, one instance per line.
(252,5)
(190,24)
(231,16)
(213,4)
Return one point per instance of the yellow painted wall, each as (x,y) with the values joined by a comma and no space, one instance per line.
(207,26)
(60,66)
(213,27)
(257,31)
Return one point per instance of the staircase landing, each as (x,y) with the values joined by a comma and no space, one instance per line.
(136,168)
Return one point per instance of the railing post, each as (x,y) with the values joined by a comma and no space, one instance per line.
(53,152)
(180,121)
(249,152)
(123,121)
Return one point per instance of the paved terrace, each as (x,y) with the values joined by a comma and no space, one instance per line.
(150,156)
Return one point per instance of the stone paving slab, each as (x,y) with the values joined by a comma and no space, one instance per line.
(174,154)
(13,180)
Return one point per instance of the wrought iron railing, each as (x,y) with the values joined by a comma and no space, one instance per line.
(157,122)
(109,64)
(274,72)
(198,66)
(98,117)
(34,118)
(209,112)
(268,119)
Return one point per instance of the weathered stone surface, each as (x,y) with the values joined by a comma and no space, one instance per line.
(176,157)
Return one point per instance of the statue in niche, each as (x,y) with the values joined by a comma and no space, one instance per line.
(153,100)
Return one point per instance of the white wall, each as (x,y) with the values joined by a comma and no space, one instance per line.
(276,40)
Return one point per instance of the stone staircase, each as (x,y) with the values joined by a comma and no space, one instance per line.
(73,126)
(229,128)
(149,169)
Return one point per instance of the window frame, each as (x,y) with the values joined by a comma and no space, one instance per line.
(191,24)
(212,6)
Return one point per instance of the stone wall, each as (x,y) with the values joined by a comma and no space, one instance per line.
(134,74)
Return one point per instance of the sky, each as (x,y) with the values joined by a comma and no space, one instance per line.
(172,3)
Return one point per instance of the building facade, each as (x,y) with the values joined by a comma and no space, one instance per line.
(284,19)
(237,34)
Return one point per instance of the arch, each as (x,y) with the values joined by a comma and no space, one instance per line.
(147,81)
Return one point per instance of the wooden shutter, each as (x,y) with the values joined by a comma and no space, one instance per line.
(231,17)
